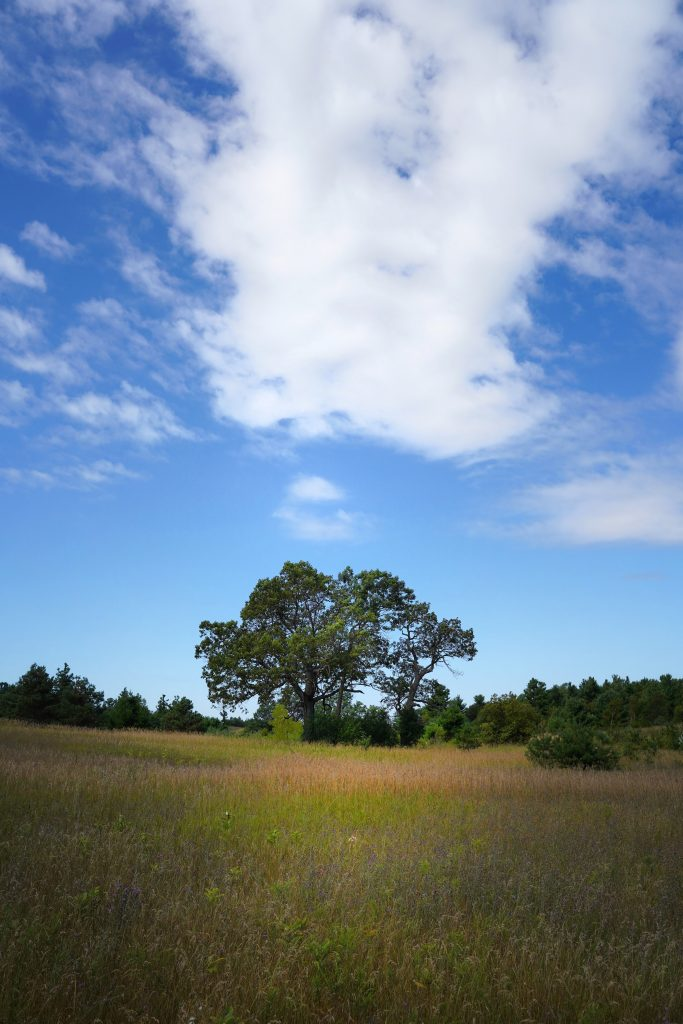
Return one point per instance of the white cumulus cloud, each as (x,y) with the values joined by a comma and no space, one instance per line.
(313,489)
(310,523)
(381,186)
(381,192)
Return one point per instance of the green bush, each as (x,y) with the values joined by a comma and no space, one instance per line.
(410,727)
(358,725)
(507,719)
(636,746)
(284,727)
(572,746)
(376,725)
(672,737)
(433,733)
(443,723)
(467,737)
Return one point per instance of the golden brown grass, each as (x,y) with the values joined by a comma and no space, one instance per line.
(165,878)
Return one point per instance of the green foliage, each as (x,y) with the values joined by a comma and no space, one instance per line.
(452,719)
(311,639)
(128,711)
(64,698)
(357,724)
(261,721)
(228,1018)
(672,737)
(433,734)
(301,630)
(78,702)
(333,728)
(445,724)
(8,701)
(438,700)
(411,641)
(467,737)
(410,727)
(621,705)
(472,712)
(637,746)
(617,702)
(36,696)
(573,746)
(179,716)
(89,898)
(507,719)
(284,727)
(536,694)
(374,723)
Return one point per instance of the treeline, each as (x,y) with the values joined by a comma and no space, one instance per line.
(67,699)
(567,723)
(618,703)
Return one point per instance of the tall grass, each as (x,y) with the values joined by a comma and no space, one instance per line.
(164,878)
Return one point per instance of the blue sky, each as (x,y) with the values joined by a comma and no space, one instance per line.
(392,285)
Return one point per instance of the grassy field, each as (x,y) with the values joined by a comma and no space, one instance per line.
(165,878)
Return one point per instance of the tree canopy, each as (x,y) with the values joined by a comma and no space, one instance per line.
(411,641)
(301,631)
(307,635)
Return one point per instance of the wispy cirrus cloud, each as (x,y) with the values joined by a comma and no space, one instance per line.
(80,476)
(102,471)
(15,400)
(48,241)
(24,347)
(678,362)
(16,328)
(133,413)
(14,270)
(143,271)
(308,525)
(85,20)
(25,477)
(635,499)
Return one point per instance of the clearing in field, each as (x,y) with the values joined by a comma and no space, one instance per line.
(165,878)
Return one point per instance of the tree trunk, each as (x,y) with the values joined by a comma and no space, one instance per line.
(418,676)
(409,702)
(309,712)
(340,700)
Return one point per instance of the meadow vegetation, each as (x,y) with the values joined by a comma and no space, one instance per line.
(166,878)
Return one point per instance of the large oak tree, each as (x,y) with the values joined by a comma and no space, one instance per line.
(301,631)
(319,638)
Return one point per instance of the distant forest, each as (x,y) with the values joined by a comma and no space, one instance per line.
(68,699)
